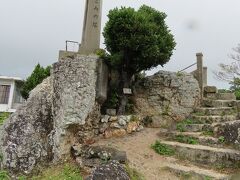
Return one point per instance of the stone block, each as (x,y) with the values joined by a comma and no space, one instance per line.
(102,81)
(210,89)
(111,112)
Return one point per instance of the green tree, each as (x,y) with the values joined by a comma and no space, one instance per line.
(137,40)
(38,75)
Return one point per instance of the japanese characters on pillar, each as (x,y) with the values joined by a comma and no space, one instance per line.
(92,27)
(96,13)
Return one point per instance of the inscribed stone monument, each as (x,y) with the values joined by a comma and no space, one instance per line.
(91,27)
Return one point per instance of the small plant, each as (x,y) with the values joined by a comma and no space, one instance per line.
(208,178)
(166,111)
(181,126)
(134,174)
(3,116)
(134,119)
(186,139)
(221,139)
(179,74)
(162,149)
(208,133)
(4,175)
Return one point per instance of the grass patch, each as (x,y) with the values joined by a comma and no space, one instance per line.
(4,175)
(67,171)
(3,117)
(208,133)
(181,126)
(162,149)
(134,174)
(186,139)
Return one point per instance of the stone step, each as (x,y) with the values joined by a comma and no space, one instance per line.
(218,103)
(206,155)
(194,127)
(220,96)
(221,111)
(196,172)
(198,138)
(214,119)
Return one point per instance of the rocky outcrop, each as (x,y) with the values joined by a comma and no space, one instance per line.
(74,86)
(166,97)
(60,112)
(109,171)
(27,138)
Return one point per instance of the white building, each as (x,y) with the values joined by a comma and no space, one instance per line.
(10,97)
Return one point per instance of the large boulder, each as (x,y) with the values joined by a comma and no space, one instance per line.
(60,112)
(166,97)
(27,138)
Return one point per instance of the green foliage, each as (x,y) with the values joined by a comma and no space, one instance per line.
(113,100)
(4,175)
(237,94)
(221,139)
(38,75)
(68,172)
(130,106)
(208,133)
(162,149)
(186,139)
(134,174)
(3,116)
(181,126)
(134,119)
(138,40)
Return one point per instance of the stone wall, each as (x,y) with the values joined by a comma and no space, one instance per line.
(166,97)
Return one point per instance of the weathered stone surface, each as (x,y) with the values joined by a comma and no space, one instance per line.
(103,153)
(27,134)
(74,85)
(167,97)
(115,133)
(210,89)
(109,171)
(230,131)
(132,126)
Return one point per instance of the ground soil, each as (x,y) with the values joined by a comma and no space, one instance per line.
(141,156)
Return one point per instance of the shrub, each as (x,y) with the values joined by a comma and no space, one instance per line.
(162,149)
(3,116)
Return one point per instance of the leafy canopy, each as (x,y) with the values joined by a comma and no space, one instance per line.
(138,40)
(38,75)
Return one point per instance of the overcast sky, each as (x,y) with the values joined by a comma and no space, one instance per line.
(33,31)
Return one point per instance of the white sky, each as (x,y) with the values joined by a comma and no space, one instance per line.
(33,31)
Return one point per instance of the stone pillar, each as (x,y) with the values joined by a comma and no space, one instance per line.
(92,27)
(205,75)
(200,72)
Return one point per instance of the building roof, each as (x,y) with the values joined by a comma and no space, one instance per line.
(11,78)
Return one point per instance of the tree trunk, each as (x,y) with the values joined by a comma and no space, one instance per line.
(125,83)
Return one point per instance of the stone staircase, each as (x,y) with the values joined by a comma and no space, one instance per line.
(201,152)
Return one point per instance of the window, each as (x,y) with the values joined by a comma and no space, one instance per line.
(4,93)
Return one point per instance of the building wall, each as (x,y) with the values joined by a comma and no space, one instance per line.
(10,107)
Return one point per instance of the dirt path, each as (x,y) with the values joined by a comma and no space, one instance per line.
(141,156)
